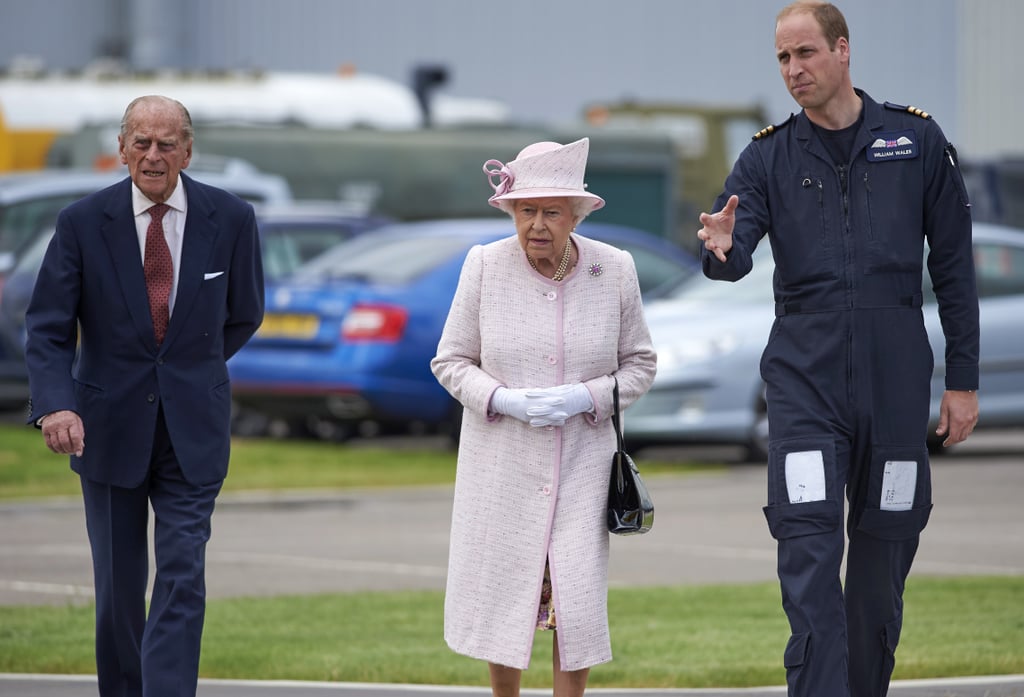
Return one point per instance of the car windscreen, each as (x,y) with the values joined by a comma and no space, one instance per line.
(286,246)
(655,270)
(755,287)
(21,221)
(378,257)
(32,256)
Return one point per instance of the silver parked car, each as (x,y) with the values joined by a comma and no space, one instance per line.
(710,335)
(30,202)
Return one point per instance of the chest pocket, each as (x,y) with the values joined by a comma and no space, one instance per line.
(889,196)
(805,238)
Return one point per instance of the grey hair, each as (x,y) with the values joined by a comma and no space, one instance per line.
(581,207)
(186,118)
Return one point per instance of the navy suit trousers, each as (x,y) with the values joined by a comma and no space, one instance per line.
(155,655)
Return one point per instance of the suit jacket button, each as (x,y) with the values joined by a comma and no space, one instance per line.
(151,398)
(159,361)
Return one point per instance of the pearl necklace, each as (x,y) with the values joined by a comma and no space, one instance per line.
(563,265)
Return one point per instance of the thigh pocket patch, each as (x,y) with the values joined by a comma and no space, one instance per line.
(796,650)
(803,495)
(899,495)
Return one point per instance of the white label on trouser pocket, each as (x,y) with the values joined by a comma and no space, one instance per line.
(805,476)
(899,480)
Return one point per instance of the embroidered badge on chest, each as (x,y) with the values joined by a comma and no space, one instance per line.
(898,145)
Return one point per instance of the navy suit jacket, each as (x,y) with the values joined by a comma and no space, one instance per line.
(91,347)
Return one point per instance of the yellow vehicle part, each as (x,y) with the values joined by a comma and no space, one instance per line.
(24,148)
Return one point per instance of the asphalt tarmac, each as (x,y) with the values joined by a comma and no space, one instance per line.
(709,529)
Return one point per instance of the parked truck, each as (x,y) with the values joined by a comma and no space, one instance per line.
(706,138)
(422,173)
(38,106)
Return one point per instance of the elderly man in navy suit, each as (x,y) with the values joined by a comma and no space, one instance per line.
(146,290)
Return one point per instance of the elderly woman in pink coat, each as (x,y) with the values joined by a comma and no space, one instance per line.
(542,325)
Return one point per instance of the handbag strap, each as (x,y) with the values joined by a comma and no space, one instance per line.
(615,414)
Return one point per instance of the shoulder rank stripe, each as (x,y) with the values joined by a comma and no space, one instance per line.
(768,130)
(909,109)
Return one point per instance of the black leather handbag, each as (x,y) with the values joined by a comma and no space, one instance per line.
(630,508)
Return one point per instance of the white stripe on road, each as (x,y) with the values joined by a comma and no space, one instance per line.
(960,569)
(46,588)
(718,551)
(289,561)
(281,560)
(920,565)
(81,550)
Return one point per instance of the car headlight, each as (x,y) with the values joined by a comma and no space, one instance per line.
(690,350)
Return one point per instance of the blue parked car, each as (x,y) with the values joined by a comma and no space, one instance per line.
(290,234)
(346,342)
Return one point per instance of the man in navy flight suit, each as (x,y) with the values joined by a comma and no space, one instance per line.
(848,192)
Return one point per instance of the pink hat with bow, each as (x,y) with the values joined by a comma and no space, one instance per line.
(541,170)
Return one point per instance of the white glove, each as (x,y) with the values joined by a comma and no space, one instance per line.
(525,404)
(560,403)
(547,410)
(577,399)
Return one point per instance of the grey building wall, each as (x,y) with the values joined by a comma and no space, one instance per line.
(61,33)
(548,59)
(991,86)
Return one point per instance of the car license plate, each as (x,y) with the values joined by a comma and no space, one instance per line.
(282,326)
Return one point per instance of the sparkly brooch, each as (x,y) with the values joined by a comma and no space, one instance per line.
(596,270)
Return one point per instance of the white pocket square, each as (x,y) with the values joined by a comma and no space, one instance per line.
(208,276)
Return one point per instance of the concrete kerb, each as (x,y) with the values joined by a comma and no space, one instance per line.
(69,685)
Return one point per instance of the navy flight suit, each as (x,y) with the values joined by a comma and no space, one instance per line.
(847,370)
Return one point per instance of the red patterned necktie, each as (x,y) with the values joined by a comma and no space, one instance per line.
(159,270)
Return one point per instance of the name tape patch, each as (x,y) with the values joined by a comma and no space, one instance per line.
(900,145)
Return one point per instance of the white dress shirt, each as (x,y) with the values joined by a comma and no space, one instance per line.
(174,228)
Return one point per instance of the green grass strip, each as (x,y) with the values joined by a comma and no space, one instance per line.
(694,636)
(28,470)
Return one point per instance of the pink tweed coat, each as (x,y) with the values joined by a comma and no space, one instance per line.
(525,494)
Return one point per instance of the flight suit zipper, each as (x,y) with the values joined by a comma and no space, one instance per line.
(846,197)
(847,236)
(848,275)
(867,198)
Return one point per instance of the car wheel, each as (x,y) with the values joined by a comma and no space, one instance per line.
(757,446)
(330,430)
(453,425)
(248,424)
